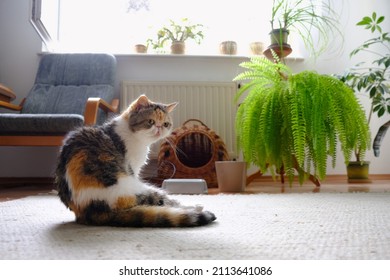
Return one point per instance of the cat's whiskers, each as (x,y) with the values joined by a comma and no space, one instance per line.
(176,149)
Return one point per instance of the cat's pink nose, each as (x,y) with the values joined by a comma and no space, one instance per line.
(158,132)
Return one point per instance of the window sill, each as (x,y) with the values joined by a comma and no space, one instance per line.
(189,56)
(197,56)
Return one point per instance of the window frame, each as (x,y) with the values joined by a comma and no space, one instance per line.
(39,25)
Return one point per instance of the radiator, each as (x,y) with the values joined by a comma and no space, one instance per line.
(210,102)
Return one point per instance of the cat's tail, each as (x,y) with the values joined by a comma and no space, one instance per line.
(145,216)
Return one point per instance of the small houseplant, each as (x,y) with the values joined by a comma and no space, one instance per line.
(141,48)
(372,79)
(290,123)
(303,17)
(177,33)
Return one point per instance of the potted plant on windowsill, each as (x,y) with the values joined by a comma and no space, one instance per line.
(177,34)
(291,123)
(305,18)
(373,80)
(141,48)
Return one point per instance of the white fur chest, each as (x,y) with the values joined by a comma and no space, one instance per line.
(136,148)
(136,158)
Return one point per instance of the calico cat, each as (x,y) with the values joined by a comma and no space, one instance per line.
(98,167)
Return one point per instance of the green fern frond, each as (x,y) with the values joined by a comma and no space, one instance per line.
(295,122)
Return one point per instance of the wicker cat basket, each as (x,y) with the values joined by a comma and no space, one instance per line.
(190,152)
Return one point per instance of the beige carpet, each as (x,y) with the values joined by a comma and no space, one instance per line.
(262,226)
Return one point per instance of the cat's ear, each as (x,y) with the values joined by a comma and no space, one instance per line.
(169,108)
(140,103)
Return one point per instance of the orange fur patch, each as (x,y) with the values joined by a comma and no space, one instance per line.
(150,214)
(75,172)
(160,115)
(125,202)
(177,218)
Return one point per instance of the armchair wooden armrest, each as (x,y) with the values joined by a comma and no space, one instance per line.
(6,94)
(93,105)
(10,106)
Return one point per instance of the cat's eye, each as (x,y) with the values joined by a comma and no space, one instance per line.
(151,122)
(167,124)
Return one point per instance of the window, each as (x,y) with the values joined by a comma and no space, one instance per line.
(117,25)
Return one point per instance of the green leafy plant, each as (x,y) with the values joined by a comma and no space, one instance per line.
(374,78)
(177,32)
(293,122)
(306,17)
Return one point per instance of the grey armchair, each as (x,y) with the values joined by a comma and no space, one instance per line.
(70,90)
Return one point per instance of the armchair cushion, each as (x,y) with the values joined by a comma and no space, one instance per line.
(39,124)
(49,99)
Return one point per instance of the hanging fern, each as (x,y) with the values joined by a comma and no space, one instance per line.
(296,121)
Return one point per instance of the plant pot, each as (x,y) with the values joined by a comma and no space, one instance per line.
(139,48)
(279,45)
(228,47)
(358,170)
(279,36)
(281,51)
(178,47)
(257,48)
(231,175)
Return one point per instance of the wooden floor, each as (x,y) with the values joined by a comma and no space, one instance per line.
(333,183)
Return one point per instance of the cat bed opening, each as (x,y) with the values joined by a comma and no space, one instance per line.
(192,155)
(190,152)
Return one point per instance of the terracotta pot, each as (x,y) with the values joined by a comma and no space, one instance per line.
(178,47)
(228,47)
(231,175)
(257,48)
(139,48)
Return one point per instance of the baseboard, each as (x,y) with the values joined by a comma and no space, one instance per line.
(329,178)
(372,177)
(23,181)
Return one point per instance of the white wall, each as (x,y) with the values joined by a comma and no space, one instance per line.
(19,46)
